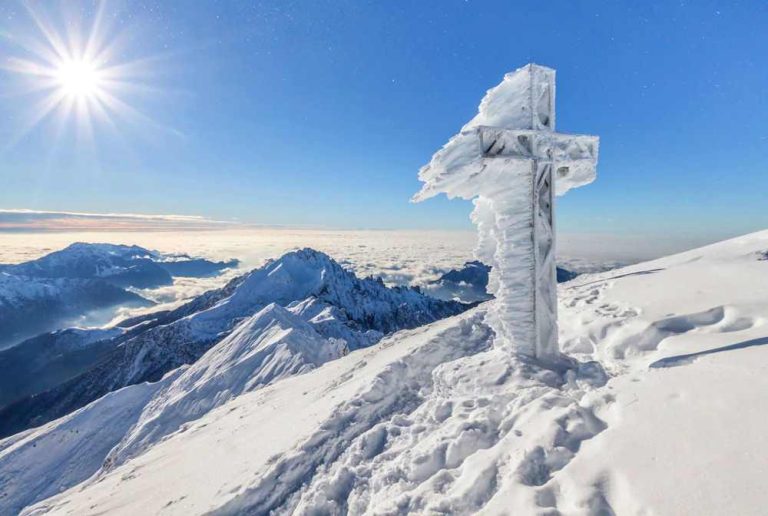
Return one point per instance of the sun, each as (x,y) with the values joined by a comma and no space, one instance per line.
(78,70)
(79,79)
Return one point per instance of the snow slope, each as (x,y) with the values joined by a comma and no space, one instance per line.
(443,419)
(270,345)
(42,462)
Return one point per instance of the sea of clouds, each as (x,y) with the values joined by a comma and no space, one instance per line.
(399,257)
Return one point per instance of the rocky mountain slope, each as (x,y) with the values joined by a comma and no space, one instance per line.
(351,312)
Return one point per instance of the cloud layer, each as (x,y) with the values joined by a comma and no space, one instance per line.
(398,257)
(35,220)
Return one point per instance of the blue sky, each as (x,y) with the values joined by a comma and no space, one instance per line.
(320,113)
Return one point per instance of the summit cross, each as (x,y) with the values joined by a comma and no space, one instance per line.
(510,160)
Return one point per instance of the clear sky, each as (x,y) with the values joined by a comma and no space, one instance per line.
(321,113)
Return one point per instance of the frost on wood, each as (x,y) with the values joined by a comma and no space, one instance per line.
(510,160)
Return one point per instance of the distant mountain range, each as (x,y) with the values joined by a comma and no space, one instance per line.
(304,291)
(55,290)
(469,284)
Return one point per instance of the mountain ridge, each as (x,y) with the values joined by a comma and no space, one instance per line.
(358,311)
(82,280)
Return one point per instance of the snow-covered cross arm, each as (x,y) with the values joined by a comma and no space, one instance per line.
(511,162)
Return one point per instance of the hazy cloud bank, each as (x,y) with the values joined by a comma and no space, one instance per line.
(37,220)
(398,257)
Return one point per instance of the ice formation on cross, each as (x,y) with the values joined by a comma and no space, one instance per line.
(510,160)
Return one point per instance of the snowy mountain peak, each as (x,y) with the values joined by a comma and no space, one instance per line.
(294,275)
(105,248)
(82,257)
(52,291)
(124,265)
(306,273)
(307,286)
(121,265)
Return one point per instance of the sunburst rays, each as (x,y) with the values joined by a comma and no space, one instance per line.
(71,63)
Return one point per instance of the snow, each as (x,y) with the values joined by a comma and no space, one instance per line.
(84,260)
(299,275)
(42,462)
(267,421)
(15,289)
(440,419)
(270,345)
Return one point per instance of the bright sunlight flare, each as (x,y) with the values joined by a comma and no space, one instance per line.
(79,78)
(75,68)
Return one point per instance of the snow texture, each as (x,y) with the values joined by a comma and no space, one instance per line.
(42,462)
(270,345)
(511,162)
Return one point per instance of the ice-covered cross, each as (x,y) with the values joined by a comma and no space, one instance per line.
(510,160)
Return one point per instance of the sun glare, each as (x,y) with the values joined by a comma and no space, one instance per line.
(74,62)
(78,79)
